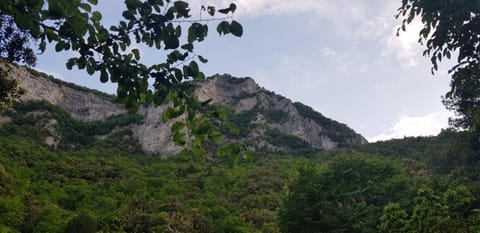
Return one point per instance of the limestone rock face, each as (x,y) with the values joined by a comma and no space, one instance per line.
(275,112)
(153,134)
(268,122)
(82,105)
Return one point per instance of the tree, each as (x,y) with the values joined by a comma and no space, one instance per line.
(76,26)
(347,196)
(161,24)
(15,43)
(9,89)
(14,47)
(449,211)
(452,28)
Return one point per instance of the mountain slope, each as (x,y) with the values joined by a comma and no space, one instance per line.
(266,121)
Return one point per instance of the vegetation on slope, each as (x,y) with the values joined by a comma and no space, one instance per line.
(91,185)
(337,131)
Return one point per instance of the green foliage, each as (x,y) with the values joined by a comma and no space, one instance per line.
(347,195)
(30,118)
(37,73)
(243,121)
(77,27)
(336,131)
(104,186)
(163,25)
(277,115)
(449,211)
(450,27)
(82,223)
(9,89)
(15,42)
(14,47)
(48,190)
(277,138)
(449,153)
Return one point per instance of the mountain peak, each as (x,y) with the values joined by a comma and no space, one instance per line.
(266,121)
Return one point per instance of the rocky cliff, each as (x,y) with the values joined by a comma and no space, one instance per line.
(266,121)
(81,103)
(273,121)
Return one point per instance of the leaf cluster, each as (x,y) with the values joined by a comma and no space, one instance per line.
(76,26)
(9,89)
(15,43)
(451,28)
(347,195)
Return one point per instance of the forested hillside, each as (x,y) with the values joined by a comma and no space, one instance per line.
(83,183)
(176,152)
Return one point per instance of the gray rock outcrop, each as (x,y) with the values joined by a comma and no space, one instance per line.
(269,119)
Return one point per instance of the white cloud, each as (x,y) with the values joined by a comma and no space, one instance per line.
(405,47)
(407,126)
(328,52)
(338,12)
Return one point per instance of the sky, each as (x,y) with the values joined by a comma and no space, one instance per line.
(340,57)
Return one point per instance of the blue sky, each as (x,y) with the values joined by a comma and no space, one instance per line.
(340,57)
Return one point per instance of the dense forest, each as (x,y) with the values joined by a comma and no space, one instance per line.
(84,183)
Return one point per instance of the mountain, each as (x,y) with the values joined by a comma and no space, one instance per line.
(73,158)
(266,121)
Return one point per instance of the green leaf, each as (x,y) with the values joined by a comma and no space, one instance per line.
(103,76)
(71,62)
(180,5)
(178,31)
(211,10)
(200,76)
(81,62)
(172,42)
(236,29)
(202,59)
(59,46)
(233,7)
(136,53)
(194,68)
(123,46)
(187,72)
(96,16)
(51,35)
(86,7)
(178,134)
(90,68)
(179,138)
(171,113)
(178,75)
(93,2)
(188,47)
(42,46)
(223,28)
(197,32)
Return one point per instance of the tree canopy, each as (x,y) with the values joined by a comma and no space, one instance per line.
(76,26)
(452,28)
(346,196)
(14,47)
(15,43)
